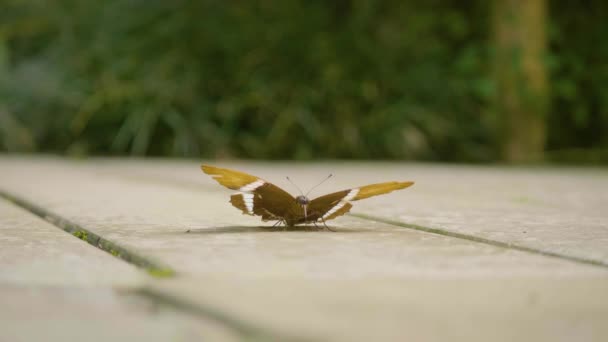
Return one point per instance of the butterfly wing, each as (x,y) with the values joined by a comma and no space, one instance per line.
(256,196)
(338,203)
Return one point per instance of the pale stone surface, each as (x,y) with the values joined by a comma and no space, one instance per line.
(152,218)
(55,287)
(411,309)
(368,279)
(96,314)
(34,252)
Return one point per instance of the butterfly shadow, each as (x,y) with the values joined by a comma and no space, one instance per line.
(269,229)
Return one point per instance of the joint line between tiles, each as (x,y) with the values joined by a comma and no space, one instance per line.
(445,232)
(247,331)
(153,268)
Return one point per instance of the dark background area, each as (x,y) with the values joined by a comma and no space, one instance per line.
(396,79)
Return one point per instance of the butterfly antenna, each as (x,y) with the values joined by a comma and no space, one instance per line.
(323,181)
(297,187)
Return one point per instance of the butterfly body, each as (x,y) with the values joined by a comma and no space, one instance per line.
(258,197)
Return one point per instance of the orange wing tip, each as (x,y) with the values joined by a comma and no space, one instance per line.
(229,178)
(380,189)
(213,171)
(210,170)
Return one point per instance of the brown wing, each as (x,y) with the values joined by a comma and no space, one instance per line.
(256,196)
(338,203)
(320,206)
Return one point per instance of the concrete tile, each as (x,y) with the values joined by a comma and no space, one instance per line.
(410,309)
(96,314)
(367,280)
(34,252)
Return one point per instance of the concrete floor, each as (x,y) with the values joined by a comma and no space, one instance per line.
(468,253)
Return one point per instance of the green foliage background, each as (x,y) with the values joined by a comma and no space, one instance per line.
(395,79)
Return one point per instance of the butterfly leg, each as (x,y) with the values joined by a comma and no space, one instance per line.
(315,225)
(284,224)
(279,223)
(326,226)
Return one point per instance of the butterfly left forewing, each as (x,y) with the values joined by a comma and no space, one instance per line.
(338,203)
(256,196)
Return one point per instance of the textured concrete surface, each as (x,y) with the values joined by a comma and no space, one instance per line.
(411,309)
(369,279)
(153,218)
(55,287)
(33,252)
(96,314)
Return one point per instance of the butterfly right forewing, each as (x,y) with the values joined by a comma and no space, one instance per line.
(329,206)
(338,203)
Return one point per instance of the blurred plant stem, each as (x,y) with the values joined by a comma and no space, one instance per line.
(522,92)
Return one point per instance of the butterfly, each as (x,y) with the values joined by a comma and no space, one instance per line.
(261,198)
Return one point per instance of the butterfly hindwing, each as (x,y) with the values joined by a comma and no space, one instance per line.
(244,202)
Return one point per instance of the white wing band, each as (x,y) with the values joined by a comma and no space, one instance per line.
(351,194)
(248,200)
(252,186)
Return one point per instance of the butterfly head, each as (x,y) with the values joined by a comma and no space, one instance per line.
(302,200)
